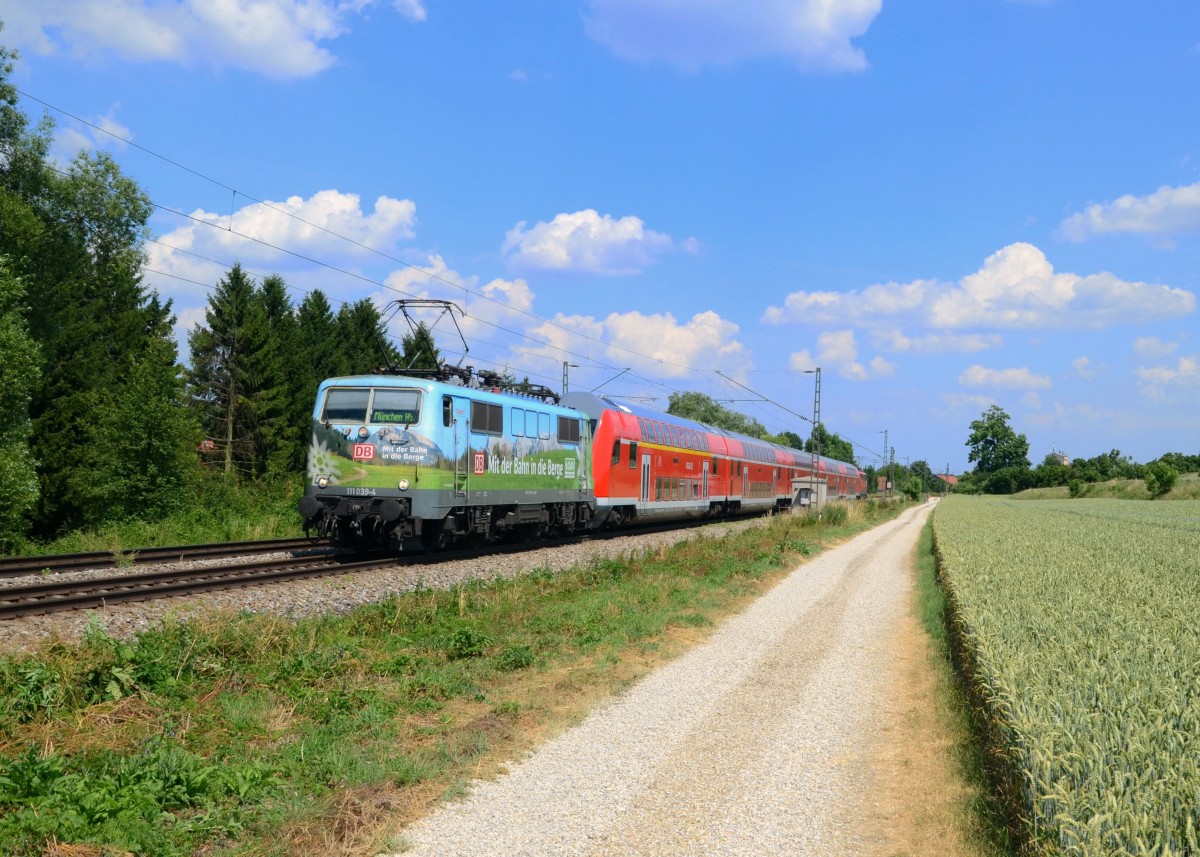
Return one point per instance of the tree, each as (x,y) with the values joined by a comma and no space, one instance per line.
(789,439)
(1160,478)
(20,366)
(144,439)
(924,474)
(419,349)
(235,381)
(994,445)
(831,445)
(703,409)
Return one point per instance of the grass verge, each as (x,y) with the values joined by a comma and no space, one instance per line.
(980,816)
(260,735)
(219,512)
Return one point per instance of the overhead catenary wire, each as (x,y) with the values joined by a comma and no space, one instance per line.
(424,272)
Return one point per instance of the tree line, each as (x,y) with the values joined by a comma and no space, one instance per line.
(704,409)
(1001,458)
(99,418)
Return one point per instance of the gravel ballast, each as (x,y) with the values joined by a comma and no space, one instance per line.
(337,593)
(757,742)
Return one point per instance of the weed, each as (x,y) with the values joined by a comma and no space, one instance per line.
(515,657)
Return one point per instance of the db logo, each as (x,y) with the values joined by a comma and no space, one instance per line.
(364,451)
(479,463)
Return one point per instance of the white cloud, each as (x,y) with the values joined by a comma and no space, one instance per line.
(937,343)
(177,254)
(1015,379)
(278,38)
(587,242)
(1083,367)
(1155,380)
(838,350)
(813,34)
(1167,210)
(1153,348)
(318,224)
(72,137)
(656,344)
(1015,288)
(963,401)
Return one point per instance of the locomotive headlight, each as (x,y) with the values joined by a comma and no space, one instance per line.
(323,482)
(402,485)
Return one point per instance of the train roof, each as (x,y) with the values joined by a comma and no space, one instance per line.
(485,393)
(592,405)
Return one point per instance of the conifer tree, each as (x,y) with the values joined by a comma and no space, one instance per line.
(419,349)
(284,448)
(19,369)
(235,382)
(75,237)
(363,338)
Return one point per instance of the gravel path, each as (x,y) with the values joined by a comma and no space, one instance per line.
(756,743)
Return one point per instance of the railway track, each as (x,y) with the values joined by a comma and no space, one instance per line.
(51,596)
(55,596)
(53,563)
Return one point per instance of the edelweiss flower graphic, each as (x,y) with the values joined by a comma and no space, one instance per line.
(321,462)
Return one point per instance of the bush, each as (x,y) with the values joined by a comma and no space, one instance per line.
(1160,478)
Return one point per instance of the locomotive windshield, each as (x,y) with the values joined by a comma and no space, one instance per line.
(398,407)
(384,404)
(345,405)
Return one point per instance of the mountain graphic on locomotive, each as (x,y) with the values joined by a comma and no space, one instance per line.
(420,460)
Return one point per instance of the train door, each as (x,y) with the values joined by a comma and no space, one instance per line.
(462,446)
(745,480)
(645,477)
(704,480)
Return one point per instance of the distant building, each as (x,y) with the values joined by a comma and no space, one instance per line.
(949,479)
(1061,457)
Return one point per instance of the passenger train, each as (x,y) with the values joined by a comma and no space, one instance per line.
(422,460)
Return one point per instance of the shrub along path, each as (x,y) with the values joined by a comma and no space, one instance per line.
(763,740)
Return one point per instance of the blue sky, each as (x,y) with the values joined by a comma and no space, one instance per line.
(944,204)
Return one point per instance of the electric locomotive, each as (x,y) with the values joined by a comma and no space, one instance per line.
(419,460)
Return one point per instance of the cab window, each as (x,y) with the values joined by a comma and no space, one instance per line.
(346,405)
(396,407)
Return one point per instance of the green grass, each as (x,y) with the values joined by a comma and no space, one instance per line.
(1186,488)
(218,513)
(264,735)
(981,817)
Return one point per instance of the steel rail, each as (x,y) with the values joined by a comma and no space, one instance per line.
(57,596)
(53,563)
(50,596)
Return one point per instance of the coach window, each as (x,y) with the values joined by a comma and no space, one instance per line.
(716,466)
(531,424)
(518,422)
(447,411)
(616,456)
(544,426)
(633,455)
